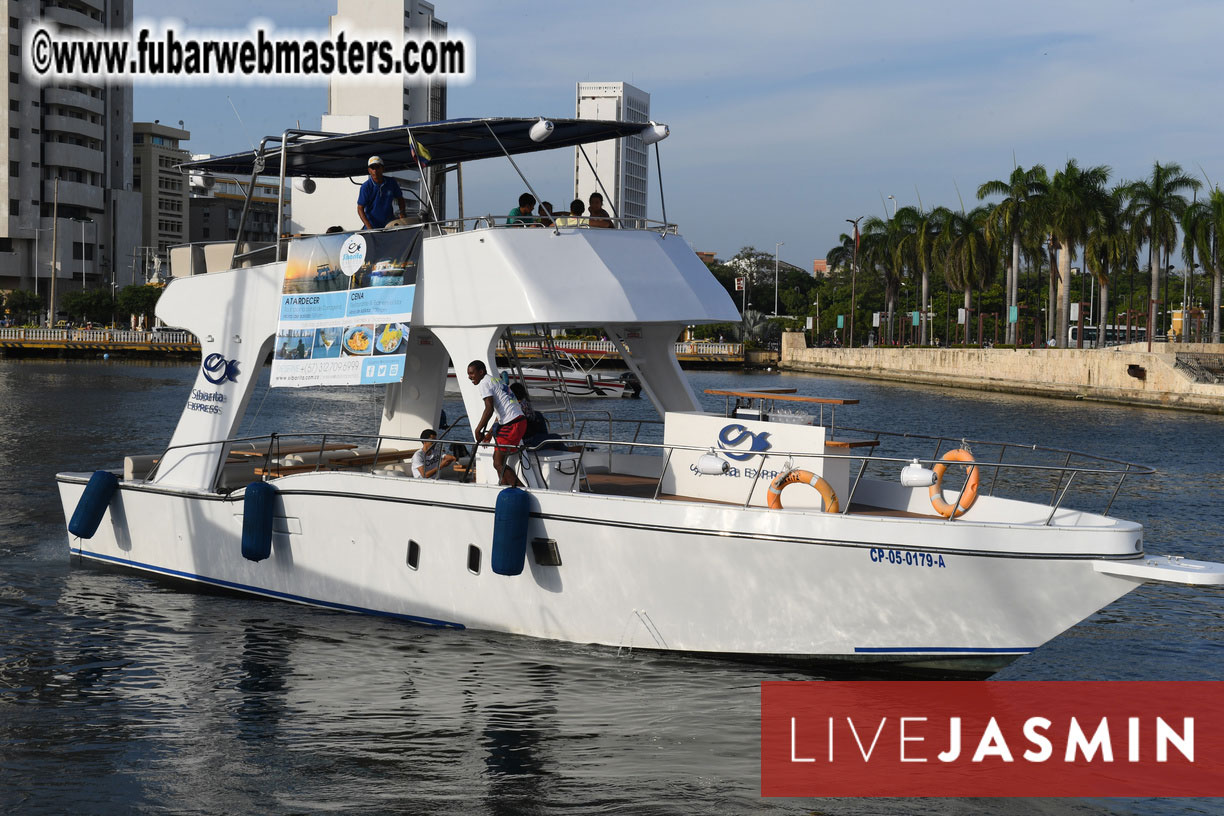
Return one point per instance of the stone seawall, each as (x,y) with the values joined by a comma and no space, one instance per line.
(1125,374)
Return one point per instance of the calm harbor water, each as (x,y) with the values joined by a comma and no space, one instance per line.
(119,694)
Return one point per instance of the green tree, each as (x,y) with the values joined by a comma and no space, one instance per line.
(1024,196)
(1076,196)
(879,252)
(1203,226)
(24,306)
(139,300)
(1156,205)
(968,257)
(1110,247)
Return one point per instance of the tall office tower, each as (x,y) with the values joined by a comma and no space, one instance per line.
(356,103)
(79,133)
(621,164)
(162,188)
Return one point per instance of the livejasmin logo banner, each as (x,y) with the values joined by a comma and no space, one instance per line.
(1134,739)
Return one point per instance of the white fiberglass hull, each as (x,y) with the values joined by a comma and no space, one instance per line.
(636,573)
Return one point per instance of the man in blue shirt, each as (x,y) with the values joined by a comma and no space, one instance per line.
(378,196)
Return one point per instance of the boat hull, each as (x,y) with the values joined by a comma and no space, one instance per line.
(634,573)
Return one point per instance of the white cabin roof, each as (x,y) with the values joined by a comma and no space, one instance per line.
(514,276)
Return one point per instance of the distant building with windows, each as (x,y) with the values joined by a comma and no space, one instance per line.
(78,133)
(217,209)
(820,268)
(621,164)
(163,189)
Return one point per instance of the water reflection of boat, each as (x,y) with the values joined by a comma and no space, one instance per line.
(681,535)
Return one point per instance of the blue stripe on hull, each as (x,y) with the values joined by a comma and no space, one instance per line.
(942,650)
(270,593)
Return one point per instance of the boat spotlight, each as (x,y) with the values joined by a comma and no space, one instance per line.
(304,184)
(915,475)
(541,130)
(655,133)
(711,464)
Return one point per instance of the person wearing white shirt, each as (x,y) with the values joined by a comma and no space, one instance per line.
(498,400)
(429,460)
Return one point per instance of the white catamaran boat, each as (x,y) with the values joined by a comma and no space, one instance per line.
(765,531)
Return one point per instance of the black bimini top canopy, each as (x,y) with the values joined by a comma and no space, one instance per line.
(434,143)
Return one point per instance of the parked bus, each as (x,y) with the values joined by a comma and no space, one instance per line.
(1114,335)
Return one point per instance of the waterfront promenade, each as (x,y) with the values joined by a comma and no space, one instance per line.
(91,342)
(1188,376)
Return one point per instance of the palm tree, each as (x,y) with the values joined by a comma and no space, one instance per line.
(1156,204)
(969,258)
(1024,192)
(923,231)
(879,241)
(1110,247)
(1203,226)
(1076,196)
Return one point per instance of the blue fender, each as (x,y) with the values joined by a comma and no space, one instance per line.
(258,507)
(510,520)
(92,506)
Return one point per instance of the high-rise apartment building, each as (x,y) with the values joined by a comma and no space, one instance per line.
(621,164)
(77,133)
(356,103)
(162,188)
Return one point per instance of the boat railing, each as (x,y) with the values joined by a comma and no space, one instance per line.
(1068,469)
(368,452)
(450,226)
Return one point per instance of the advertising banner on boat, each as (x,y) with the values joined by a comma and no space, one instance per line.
(345,309)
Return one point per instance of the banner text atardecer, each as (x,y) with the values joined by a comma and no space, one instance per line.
(346,306)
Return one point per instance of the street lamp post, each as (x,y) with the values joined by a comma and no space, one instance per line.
(83,222)
(776,245)
(853,276)
(893,199)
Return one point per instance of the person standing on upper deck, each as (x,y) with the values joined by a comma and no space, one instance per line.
(599,217)
(378,197)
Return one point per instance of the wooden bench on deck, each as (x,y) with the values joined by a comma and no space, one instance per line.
(348,463)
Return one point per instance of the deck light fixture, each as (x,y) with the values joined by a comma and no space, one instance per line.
(655,133)
(711,464)
(541,130)
(915,475)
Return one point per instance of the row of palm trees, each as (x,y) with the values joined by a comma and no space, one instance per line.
(1047,222)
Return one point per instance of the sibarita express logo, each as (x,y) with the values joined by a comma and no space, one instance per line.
(218,370)
(732,438)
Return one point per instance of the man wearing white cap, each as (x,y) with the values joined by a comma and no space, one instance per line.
(378,196)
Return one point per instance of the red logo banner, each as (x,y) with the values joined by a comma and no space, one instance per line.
(1004,738)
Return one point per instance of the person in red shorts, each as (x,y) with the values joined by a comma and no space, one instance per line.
(498,400)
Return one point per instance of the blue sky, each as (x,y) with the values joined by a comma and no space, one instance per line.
(789,117)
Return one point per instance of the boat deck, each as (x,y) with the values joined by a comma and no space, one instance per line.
(643,487)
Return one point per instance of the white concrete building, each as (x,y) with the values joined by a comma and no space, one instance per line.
(364,103)
(621,164)
(79,133)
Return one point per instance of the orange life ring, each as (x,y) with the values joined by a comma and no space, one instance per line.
(968,494)
(789,477)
